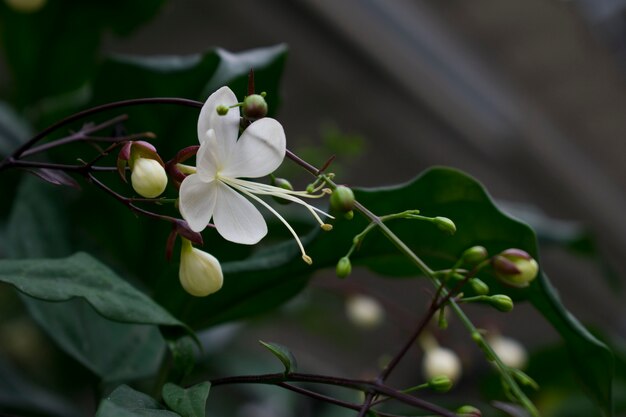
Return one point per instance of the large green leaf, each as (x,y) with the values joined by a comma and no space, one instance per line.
(39,228)
(126,402)
(82,276)
(437,192)
(194,77)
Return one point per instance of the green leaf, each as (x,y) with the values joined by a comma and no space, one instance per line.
(82,276)
(113,351)
(39,227)
(283,354)
(190,402)
(126,402)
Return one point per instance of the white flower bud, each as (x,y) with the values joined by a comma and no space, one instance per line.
(200,272)
(440,361)
(364,311)
(510,351)
(148,178)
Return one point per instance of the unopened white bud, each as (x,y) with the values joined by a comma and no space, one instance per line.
(364,311)
(149,178)
(200,272)
(441,361)
(510,351)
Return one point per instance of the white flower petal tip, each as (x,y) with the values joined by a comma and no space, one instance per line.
(200,273)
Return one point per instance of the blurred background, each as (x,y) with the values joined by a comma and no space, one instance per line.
(527,97)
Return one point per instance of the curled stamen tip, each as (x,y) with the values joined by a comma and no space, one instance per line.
(326,227)
(307,259)
(327,191)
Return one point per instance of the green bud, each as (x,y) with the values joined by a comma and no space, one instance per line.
(501,302)
(468,411)
(222,110)
(254,106)
(479,286)
(349,215)
(445,225)
(344,267)
(474,255)
(515,267)
(440,383)
(342,199)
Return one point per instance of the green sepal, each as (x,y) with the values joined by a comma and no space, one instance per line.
(283,354)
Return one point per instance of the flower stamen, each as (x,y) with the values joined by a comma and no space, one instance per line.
(306,258)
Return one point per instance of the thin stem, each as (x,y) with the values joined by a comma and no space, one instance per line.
(274,379)
(80,135)
(60,167)
(98,109)
(128,202)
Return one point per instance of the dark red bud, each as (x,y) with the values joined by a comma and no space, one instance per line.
(504,266)
(514,252)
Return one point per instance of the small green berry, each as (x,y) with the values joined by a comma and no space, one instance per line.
(254,107)
(479,286)
(344,267)
(501,302)
(342,199)
(474,255)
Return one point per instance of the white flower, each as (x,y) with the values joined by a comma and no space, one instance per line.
(364,311)
(216,191)
(148,178)
(200,273)
(510,351)
(441,361)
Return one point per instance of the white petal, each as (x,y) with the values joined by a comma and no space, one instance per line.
(236,218)
(226,127)
(207,160)
(197,201)
(258,152)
